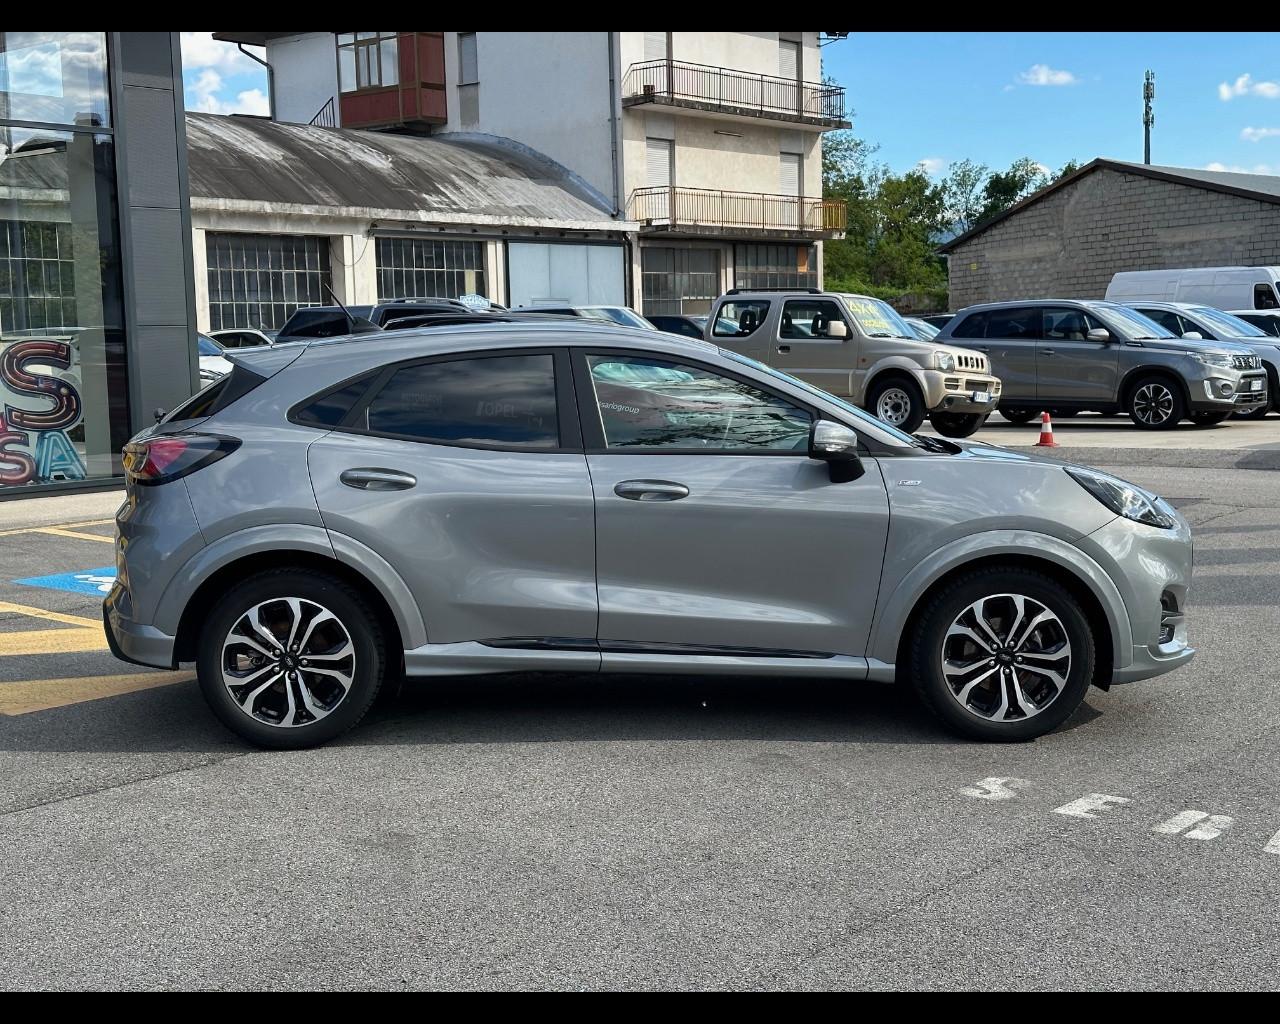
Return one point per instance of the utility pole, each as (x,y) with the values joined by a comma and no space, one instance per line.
(1148,118)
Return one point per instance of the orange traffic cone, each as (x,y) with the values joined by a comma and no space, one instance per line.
(1046,432)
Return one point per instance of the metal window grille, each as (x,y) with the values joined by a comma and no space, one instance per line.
(420,268)
(37,276)
(261,280)
(775,266)
(675,281)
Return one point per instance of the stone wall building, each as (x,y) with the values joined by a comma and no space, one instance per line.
(1067,240)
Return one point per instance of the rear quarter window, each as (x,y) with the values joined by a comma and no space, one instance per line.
(741,318)
(330,408)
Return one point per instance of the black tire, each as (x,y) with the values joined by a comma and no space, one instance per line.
(924,661)
(1253,414)
(1064,414)
(956,424)
(1018,416)
(353,616)
(913,398)
(1153,397)
(1209,419)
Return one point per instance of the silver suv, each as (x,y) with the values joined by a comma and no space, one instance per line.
(859,348)
(1070,355)
(586,497)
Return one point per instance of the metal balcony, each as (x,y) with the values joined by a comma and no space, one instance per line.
(737,93)
(700,211)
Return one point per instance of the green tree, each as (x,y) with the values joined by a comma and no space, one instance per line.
(963,188)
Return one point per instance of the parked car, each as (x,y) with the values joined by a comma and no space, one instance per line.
(1221,287)
(579,496)
(1088,354)
(922,329)
(243,337)
(614,314)
(334,321)
(938,320)
(859,348)
(213,359)
(1266,320)
(689,326)
(1190,320)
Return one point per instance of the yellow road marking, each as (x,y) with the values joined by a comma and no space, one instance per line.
(58,531)
(44,613)
(55,526)
(26,696)
(52,641)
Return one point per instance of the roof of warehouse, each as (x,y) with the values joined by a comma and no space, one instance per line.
(240,162)
(1263,187)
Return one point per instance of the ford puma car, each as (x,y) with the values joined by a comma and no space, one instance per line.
(584,497)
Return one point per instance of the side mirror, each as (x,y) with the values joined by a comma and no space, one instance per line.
(1099,334)
(837,446)
(837,329)
(1194,336)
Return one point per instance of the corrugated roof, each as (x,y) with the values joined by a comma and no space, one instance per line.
(1262,187)
(237,162)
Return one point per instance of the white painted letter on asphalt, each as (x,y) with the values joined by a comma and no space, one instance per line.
(995,788)
(1207,826)
(1086,805)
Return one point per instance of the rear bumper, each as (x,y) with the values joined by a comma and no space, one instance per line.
(132,642)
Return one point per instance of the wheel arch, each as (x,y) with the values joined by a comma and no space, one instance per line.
(1130,380)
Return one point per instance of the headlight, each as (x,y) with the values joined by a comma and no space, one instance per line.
(1214,358)
(944,361)
(1122,498)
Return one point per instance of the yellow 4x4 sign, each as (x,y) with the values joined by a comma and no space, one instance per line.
(869,315)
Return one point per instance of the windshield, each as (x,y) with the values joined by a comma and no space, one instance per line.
(209,347)
(1132,324)
(877,319)
(851,410)
(924,331)
(618,315)
(1226,324)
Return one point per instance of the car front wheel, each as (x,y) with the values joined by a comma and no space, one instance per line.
(1156,403)
(290,658)
(1018,416)
(1002,655)
(954,424)
(898,402)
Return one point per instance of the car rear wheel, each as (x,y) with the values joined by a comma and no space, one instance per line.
(1018,416)
(290,658)
(954,424)
(1209,419)
(898,402)
(1156,403)
(1254,414)
(1002,655)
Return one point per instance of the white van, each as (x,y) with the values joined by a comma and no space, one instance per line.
(1221,287)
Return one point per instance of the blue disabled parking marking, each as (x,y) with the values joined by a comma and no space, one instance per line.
(97,582)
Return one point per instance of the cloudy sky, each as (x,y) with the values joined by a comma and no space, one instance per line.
(934,98)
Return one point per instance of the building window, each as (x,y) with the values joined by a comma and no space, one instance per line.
(55,77)
(261,280)
(675,281)
(775,266)
(368,60)
(421,268)
(468,59)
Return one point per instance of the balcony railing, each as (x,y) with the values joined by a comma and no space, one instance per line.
(326,117)
(703,210)
(722,89)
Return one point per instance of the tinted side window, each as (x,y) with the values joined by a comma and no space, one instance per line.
(229,388)
(1264,297)
(505,401)
(318,325)
(746,316)
(1166,319)
(330,408)
(1065,324)
(1014,324)
(973,326)
(808,318)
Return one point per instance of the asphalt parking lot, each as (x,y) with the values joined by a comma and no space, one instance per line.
(589,832)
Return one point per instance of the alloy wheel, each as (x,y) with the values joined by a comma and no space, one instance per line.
(288,662)
(1153,403)
(1006,658)
(894,406)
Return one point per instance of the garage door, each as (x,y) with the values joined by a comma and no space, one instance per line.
(566,274)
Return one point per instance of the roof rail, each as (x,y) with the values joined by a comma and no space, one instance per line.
(749,291)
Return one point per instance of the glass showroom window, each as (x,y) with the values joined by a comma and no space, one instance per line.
(259,281)
(64,413)
(421,268)
(368,60)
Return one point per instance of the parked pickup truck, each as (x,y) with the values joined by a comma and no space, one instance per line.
(859,348)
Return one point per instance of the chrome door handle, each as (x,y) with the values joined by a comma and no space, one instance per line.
(651,490)
(378,479)
(784,348)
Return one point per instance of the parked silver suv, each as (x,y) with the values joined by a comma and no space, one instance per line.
(859,348)
(588,497)
(1070,355)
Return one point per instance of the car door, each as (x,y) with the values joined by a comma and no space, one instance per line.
(1070,367)
(714,530)
(466,473)
(1010,346)
(804,349)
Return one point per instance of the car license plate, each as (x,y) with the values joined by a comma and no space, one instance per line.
(980,396)
(1255,385)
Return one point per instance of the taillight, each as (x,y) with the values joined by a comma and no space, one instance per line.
(158,460)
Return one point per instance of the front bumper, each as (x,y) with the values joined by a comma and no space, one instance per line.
(1220,392)
(956,391)
(1148,662)
(130,641)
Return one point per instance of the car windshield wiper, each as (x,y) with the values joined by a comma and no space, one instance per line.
(936,444)
(884,334)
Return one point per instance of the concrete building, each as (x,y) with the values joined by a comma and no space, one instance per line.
(706,145)
(97,323)
(1068,239)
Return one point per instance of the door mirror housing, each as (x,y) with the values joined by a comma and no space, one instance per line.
(837,446)
(837,329)
(1194,336)
(1099,334)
